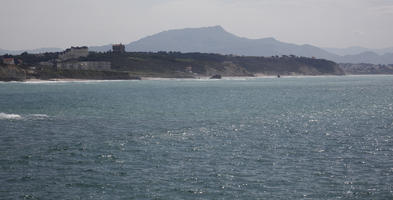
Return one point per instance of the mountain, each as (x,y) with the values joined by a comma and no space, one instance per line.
(367,57)
(3,51)
(363,55)
(103,48)
(358,50)
(384,51)
(347,51)
(216,40)
(40,50)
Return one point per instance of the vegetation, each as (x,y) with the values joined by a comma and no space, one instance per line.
(288,65)
(365,68)
(35,59)
(84,74)
(165,62)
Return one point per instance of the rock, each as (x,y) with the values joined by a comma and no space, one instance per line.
(135,78)
(217,76)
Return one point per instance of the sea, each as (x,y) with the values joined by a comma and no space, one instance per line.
(237,138)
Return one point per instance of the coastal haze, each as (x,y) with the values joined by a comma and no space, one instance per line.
(216,39)
(324,23)
(352,31)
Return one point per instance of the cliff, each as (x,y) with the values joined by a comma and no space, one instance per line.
(365,68)
(289,65)
(84,74)
(12,73)
(210,64)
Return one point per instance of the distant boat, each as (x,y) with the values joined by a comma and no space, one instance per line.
(278,76)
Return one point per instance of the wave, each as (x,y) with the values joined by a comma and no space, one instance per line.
(59,81)
(39,116)
(10,116)
(18,117)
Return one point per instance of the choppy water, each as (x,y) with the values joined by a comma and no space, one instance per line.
(289,138)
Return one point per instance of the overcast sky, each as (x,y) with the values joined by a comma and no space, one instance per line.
(27,24)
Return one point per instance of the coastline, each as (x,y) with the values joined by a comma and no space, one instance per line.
(163,78)
(204,78)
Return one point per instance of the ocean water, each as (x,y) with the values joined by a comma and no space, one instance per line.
(262,138)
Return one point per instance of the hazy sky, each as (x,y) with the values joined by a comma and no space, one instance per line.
(27,24)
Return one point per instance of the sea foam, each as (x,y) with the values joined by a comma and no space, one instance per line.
(9,116)
(25,117)
(37,116)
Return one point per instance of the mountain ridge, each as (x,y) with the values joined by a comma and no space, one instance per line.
(38,50)
(358,50)
(215,39)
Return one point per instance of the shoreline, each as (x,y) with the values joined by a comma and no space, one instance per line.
(70,80)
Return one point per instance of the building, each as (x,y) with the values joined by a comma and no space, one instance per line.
(118,48)
(9,61)
(46,65)
(74,53)
(188,69)
(86,65)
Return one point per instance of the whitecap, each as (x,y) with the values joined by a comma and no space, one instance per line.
(9,116)
(39,115)
(63,81)
(239,78)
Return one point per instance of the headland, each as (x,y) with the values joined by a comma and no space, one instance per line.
(77,63)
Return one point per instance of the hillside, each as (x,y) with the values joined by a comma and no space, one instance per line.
(209,64)
(289,65)
(133,65)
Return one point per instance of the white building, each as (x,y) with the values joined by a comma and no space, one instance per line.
(9,61)
(87,65)
(74,53)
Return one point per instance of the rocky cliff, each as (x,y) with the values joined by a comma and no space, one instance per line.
(165,63)
(289,65)
(12,73)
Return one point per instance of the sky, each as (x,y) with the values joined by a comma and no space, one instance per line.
(29,24)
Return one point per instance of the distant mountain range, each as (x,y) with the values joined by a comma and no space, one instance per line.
(40,50)
(217,40)
(358,50)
